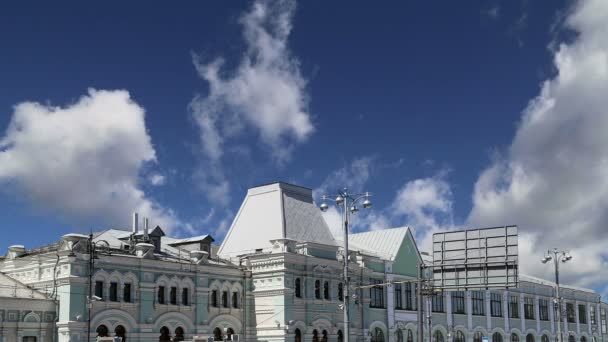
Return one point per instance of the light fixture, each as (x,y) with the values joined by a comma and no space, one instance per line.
(546,259)
(339,200)
(323,207)
(353,209)
(367,203)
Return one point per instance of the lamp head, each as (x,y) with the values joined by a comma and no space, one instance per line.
(367,203)
(339,200)
(353,209)
(323,207)
(546,259)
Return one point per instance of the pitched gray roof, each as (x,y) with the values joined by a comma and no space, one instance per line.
(384,243)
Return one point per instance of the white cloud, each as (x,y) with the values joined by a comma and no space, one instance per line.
(82,160)
(157,179)
(553,181)
(265,95)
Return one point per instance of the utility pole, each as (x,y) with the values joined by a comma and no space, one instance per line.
(419,305)
(557,256)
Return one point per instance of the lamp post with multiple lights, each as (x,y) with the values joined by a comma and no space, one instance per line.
(564,257)
(347,203)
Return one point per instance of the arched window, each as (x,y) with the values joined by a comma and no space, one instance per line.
(165,335)
(529,338)
(410,336)
(571,338)
(437,336)
(326,290)
(121,332)
(235,300)
(298,337)
(340,292)
(229,333)
(298,288)
(378,335)
(399,335)
(324,338)
(315,335)
(497,337)
(544,338)
(102,331)
(583,339)
(514,337)
(317,289)
(217,334)
(459,336)
(179,334)
(341,336)
(477,336)
(225,299)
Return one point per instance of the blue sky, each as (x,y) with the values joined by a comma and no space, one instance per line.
(438,108)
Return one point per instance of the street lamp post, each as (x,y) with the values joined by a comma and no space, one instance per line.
(564,257)
(346,202)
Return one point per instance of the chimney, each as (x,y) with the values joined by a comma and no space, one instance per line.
(145,229)
(135,223)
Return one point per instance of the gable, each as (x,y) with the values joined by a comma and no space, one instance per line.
(407,258)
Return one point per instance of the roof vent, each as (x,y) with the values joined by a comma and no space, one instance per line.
(199,257)
(144,250)
(16,251)
(135,223)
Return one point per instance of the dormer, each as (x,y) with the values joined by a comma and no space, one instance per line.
(195,243)
(155,236)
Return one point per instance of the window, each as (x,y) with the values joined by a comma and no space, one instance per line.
(102,331)
(582,313)
(528,308)
(298,337)
(477,301)
(495,306)
(161,295)
(437,336)
(529,338)
(408,296)
(604,322)
(459,336)
(99,289)
(514,337)
(410,336)
(179,334)
(571,338)
(235,300)
(378,335)
(114,292)
(126,293)
(592,314)
(324,336)
(29,339)
(437,303)
(121,332)
(399,335)
(326,290)
(225,299)
(317,289)
(543,309)
(229,333)
(458,302)
(513,308)
(570,313)
(583,339)
(185,296)
(217,334)
(341,336)
(398,298)
(340,292)
(376,294)
(477,336)
(298,288)
(497,337)
(544,338)
(164,334)
(173,295)
(315,336)
(214,298)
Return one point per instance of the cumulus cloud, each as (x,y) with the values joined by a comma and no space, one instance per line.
(553,180)
(157,179)
(82,160)
(265,94)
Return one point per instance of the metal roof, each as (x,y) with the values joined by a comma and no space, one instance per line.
(384,243)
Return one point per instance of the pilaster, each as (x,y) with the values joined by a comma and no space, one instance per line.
(578,319)
(522,313)
(505,310)
(488,304)
(537,313)
(469,305)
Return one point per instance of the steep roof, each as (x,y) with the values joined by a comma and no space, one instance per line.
(384,243)
(275,211)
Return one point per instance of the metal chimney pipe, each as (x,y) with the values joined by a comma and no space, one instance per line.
(145,228)
(135,223)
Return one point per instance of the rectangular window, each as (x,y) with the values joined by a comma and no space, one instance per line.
(225,299)
(317,289)
(592,314)
(126,293)
(529,307)
(604,322)
(185,296)
(477,301)
(543,309)
(114,292)
(570,315)
(235,300)
(408,296)
(458,306)
(173,295)
(326,290)
(99,289)
(582,313)
(214,298)
(496,304)
(376,294)
(437,303)
(161,295)
(398,297)
(340,292)
(514,307)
